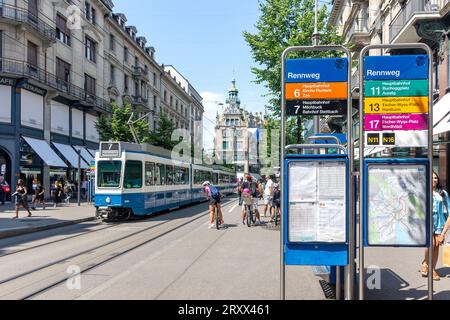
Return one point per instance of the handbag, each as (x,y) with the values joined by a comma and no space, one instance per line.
(6,189)
(446,255)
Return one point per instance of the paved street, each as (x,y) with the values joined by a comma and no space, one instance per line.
(173,256)
(170,256)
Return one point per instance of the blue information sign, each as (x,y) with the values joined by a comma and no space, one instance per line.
(404,67)
(316,70)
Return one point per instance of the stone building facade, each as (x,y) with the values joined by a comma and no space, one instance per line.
(62,64)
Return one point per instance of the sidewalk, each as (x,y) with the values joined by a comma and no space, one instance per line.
(50,218)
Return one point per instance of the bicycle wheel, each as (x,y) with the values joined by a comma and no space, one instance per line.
(249,218)
(217,219)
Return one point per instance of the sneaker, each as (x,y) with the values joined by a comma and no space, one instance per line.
(211,226)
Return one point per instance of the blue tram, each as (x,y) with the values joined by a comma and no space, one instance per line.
(134,182)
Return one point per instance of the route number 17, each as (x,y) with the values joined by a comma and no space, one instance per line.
(374,124)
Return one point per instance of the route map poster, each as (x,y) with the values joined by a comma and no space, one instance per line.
(317,202)
(397,210)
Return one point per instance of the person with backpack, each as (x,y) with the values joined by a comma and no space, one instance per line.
(276,200)
(254,191)
(215,201)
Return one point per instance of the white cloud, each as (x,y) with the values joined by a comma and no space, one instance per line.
(210,102)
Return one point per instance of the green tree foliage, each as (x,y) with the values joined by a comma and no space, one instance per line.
(115,127)
(162,136)
(283,24)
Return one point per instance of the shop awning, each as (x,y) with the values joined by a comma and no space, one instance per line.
(85,154)
(93,152)
(70,155)
(45,152)
(441,115)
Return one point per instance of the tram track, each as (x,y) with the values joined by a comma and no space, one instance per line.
(24,286)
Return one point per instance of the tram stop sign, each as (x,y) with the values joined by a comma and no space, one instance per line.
(396,103)
(316,87)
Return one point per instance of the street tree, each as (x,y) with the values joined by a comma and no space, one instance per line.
(115,127)
(162,135)
(282,24)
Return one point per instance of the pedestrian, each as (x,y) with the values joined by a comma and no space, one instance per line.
(276,201)
(68,191)
(39,196)
(239,189)
(4,190)
(84,186)
(441,202)
(268,194)
(57,193)
(21,195)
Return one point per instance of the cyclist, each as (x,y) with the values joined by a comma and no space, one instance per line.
(215,201)
(253,187)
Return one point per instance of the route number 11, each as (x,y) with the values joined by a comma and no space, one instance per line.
(376,91)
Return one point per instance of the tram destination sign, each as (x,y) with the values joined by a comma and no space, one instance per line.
(316,87)
(396,100)
(110,150)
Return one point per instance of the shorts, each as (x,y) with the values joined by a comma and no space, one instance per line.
(276,204)
(267,200)
(214,202)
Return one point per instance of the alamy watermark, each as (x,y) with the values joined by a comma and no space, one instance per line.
(74,281)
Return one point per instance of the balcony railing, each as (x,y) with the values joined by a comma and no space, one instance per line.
(23,69)
(23,16)
(140,72)
(412,8)
(138,100)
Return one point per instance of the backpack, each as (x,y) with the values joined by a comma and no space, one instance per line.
(215,194)
(276,192)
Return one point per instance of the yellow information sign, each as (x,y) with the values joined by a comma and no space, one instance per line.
(396,105)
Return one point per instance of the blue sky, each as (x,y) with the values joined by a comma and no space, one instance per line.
(203,40)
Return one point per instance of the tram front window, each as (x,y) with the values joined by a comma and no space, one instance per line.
(109,174)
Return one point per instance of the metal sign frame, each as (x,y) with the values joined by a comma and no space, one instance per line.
(363,54)
(350,272)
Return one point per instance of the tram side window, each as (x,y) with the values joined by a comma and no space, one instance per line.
(150,179)
(169,175)
(161,174)
(198,177)
(133,175)
(176,175)
(184,176)
(109,174)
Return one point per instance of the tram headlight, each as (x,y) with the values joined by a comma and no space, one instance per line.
(108,200)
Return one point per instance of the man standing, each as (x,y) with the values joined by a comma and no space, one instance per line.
(268,194)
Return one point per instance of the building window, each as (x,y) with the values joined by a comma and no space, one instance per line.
(171,101)
(125,54)
(90,49)
(113,75)
(112,43)
(165,96)
(91,13)
(62,31)
(62,71)
(89,85)
(154,79)
(32,56)
(32,10)
(126,80)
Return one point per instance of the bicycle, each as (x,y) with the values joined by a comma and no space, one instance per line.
(248,204)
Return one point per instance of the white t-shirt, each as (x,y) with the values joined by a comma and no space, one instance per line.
(269,185)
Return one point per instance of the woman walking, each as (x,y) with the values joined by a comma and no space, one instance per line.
(441,203)
(21,198)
